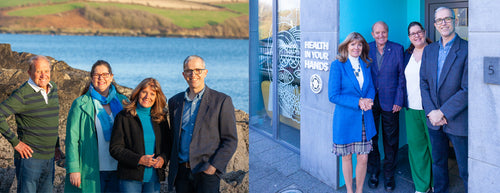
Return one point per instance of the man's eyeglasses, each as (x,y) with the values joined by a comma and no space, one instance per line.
(195,71)
(104,75)
(414,34)
(440,21)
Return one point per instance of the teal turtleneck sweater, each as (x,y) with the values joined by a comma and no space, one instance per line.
(144,115)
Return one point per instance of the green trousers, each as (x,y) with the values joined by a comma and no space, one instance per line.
(419,149)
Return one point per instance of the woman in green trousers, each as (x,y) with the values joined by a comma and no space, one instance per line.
(419,145)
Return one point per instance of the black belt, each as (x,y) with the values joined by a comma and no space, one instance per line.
(185,164)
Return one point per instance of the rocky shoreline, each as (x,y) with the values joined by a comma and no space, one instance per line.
(70,81)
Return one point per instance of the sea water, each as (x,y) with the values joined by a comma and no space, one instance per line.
(136,58)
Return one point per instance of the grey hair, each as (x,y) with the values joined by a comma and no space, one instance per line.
(35,59)
(441,8)
(383,23)
(192,57)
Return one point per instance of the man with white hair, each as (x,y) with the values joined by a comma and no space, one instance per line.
(36,108)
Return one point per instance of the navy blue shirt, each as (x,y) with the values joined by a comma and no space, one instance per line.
(189,113)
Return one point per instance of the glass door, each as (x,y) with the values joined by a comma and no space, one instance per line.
(461,10)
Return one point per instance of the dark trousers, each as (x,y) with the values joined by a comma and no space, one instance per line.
(390,134)
(440,148)
(109,181)
(187,182)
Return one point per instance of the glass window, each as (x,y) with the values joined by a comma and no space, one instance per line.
(261,102)
(289,71)
(287,102)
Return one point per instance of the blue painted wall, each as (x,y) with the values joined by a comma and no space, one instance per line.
(361,14)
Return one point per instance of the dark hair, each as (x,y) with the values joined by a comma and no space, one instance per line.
(412,47)
(344,53)
(94,66)
(158,109)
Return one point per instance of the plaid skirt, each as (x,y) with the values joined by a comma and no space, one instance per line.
(360,147)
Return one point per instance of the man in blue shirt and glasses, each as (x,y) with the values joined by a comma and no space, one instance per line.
(204,133)
(444,89)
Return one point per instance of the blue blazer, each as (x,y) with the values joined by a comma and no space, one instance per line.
(344,91)
(389,81)
(407,57)
(450,94)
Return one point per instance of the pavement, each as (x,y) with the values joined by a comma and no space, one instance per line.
(276,169)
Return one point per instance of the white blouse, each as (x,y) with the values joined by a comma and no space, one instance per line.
(357,70)
(412,73)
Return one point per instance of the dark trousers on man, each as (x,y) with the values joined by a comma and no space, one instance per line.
(390,134)
(440,149)
(187,182)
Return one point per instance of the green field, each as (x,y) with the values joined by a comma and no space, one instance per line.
(45,10)
(183,18)
(239,7)
(12,3)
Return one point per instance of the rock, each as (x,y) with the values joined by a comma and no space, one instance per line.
(71,82)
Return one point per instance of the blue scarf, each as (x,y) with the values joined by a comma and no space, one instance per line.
(114,104)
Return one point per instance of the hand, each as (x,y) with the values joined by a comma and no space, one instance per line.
(147,160)
(436,117)
(369,104)
(396,108)
(158,162)
(365,104)
(57,154)
(442,122)
(211,170)
(75,179)
(24,149)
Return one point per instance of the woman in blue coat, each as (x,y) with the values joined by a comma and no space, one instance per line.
(351,88)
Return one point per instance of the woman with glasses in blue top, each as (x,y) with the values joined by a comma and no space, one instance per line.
(89,166)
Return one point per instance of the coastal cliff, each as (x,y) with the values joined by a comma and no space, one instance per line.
(70,82)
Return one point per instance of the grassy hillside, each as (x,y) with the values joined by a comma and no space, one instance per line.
(14,3)
(104,16)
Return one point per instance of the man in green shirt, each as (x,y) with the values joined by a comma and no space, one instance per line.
(36,108)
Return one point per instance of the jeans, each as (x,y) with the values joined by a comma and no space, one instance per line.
(186,182)
(109,181)
(34,175)
(133,186)
(440,148)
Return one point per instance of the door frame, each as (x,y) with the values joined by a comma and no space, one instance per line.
(431,5)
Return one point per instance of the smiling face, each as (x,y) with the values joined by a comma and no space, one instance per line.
(417,36)
(195,81)
(147,97)
(101,79)
(446,29)
(380,33)
(355,48)
(40,73)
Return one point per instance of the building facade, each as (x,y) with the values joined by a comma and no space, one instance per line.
(292,44)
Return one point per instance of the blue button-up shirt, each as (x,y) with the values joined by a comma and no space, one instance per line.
(443,53)
(188,119)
